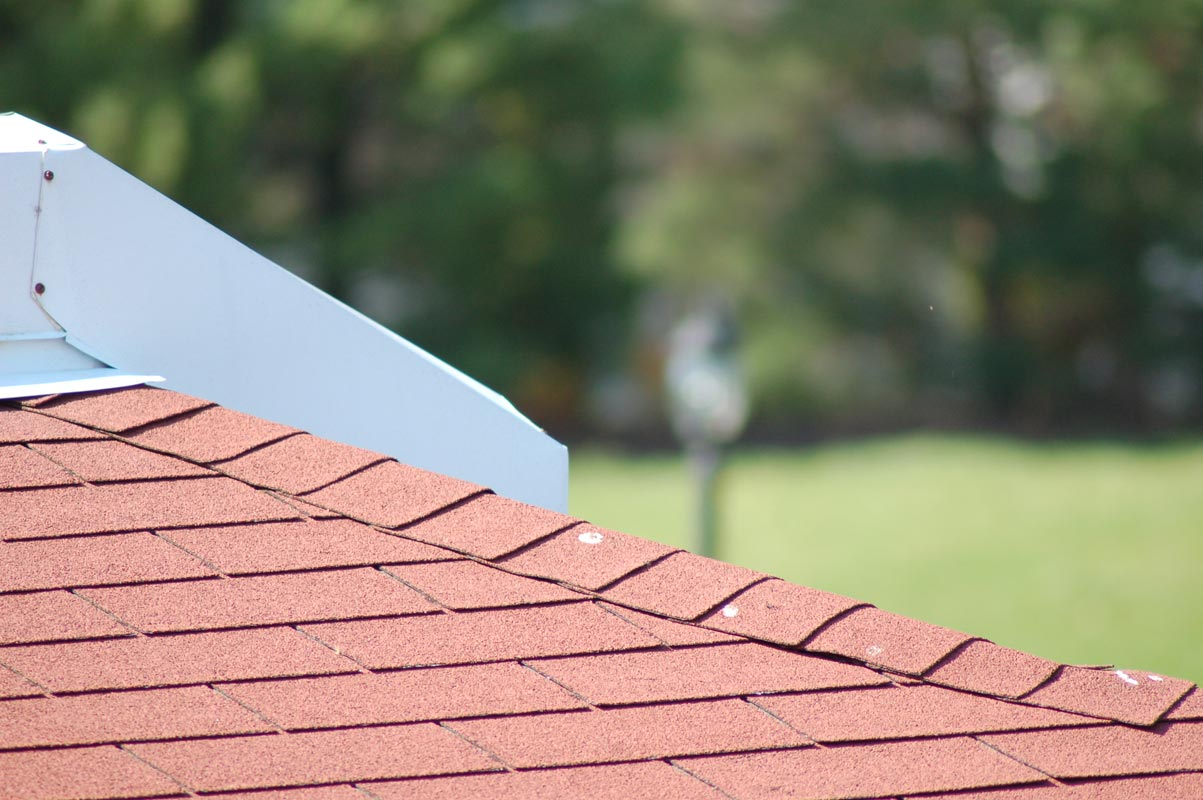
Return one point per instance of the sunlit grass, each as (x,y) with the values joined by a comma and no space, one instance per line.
(1085,553)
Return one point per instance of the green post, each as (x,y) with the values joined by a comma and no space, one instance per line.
(705,460)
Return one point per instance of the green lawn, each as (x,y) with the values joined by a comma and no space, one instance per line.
(1085,553)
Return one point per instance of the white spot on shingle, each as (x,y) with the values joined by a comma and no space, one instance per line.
(873,650)
(730,610)
(591,537)
(1126,678)
(1157,678)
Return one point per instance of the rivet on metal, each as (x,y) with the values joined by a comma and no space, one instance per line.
(48,175)
(591,537)
(39,288)
(730,610)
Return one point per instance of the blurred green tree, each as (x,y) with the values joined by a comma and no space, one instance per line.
(926,210)
(974,211)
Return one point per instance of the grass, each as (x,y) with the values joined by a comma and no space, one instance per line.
(1086,553)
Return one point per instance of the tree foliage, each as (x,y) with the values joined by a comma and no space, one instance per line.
(969,210)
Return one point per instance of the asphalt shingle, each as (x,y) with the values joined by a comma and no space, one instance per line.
(411,632)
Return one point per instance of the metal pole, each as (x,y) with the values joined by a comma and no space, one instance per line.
(705,459)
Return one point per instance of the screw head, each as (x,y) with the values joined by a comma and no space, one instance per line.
(48,175)
(39,288)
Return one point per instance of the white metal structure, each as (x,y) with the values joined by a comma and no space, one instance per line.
(104,282)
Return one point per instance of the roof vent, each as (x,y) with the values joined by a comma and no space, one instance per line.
(104,282)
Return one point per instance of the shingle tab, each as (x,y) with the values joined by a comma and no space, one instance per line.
(53,616)
(1149,787)
(260,600)
(83,773)
(343,792)
(17,426)
(670,631)
(392,494)
(93,561)
(100,461)
(213,434)
(412,695)
(304,544)
(321,757)
(684,586)
(122,409)
(123,716)
(1132,696)
(1191,706)
(134,506)
(586,556)
(870,771)
(985,667)
(646,780)
(467,645)
(13,685)
(173,660)
(892,641)
(489,526)
(1106,750)
(467,584)
(1039,791)
(480,636)
(900,713)
(628,734)
(777,611)
(299,464)
(700,672)
(23,468)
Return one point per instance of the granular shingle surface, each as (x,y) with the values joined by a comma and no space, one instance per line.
(259,600)
(319,757)
(682,586)
(299,464)
(27,469)
(895,642)
(166,661)
(411,695)
(777,611)
(118,412)
(121,716)
(392,494)
(985,667)
(196,601)
(700,672)
(94,561)
(586,556)
(111,508)
(23,427)
(480,636)
(300,545)
(466,584)
(629,734)
(489,526)
(651,780)
(87,773)
(904,712)
(870,771)
(53,616)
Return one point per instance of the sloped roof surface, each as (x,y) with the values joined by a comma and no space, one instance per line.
(197,602)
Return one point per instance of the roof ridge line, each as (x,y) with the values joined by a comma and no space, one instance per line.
(755,579)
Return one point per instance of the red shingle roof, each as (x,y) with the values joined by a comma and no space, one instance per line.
(194,601)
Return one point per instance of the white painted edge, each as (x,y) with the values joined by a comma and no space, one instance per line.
(35,384)
(140,283)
